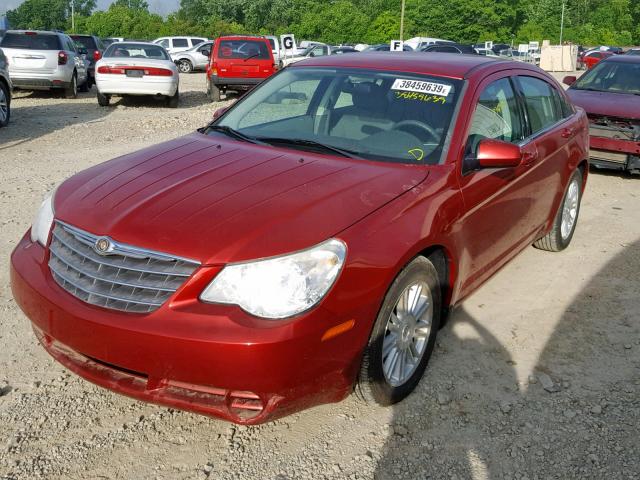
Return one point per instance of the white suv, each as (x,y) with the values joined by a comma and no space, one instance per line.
(40,60)
(178,44)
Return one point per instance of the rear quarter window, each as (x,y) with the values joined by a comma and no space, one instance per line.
(180,42)
(35,41)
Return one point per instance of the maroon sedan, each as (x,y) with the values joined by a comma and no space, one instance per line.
(610,93)
(311,238)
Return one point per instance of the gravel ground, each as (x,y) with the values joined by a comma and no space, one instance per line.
(536,376)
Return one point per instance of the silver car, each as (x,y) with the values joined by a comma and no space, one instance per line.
(196,58)
(5,91)
(40,60)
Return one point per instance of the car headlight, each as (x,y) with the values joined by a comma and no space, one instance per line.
(279,287)
(44,219)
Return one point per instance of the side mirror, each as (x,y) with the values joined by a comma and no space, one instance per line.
(206,53)
(570,80)
(221,111)
(498,154)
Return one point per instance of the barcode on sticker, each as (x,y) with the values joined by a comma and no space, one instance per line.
(423,87)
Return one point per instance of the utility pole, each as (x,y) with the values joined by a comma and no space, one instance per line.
(73,15)
(564,3)
(402,21)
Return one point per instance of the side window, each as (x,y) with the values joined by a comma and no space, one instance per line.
(164,42)
(196,41)
(180,43)
(70,45)
(496,117)
(542,110)
(563,107)
(206,46)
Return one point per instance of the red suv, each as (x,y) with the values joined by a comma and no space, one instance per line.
(238,62)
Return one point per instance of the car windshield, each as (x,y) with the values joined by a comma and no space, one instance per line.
(31,41)
(387,116)
(243,49)
(86,42)
(135,50)
(616,77)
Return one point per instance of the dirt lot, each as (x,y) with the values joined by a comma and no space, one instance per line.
(537,375)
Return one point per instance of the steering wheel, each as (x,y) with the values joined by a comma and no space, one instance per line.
(422,126)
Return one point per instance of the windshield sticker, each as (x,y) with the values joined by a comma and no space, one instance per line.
(421,97)
(417,153)
(421,87)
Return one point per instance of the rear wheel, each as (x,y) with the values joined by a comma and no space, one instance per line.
(403,335)
(5,105)
(103,100)
(173,101)
(185,66)
(71,90)
(564,225)
(214,92)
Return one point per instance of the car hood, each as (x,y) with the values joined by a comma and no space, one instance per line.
(217,201)
(608,104)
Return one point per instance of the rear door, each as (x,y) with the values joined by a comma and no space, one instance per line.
(551,128)
(31,52)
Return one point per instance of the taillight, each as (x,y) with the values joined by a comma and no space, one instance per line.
(150,71)
(97,55)
(62,58)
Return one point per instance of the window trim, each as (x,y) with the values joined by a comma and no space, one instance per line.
(531,135)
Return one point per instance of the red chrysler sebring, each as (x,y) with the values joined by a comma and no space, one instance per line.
(310,240)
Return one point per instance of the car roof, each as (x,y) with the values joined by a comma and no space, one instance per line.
(241,37)
(48,32)
(451,65)
(623,59)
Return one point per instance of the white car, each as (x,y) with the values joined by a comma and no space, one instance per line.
(137,68)
(196,58)
(178,44)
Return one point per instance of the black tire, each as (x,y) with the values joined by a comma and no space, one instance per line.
(172,102)
(214,92)
(554,241)
(372,385)
(71,90)
(185,66)
(5,104)
(84,88)
(103,100)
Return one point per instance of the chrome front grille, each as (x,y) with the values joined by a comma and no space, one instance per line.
(125,278)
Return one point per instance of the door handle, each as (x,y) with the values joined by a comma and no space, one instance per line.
(567,132)
(529,157)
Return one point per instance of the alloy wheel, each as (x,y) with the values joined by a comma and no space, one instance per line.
(407,333)
(4,106)
(570,209)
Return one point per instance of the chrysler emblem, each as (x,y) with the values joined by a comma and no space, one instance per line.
(103,245)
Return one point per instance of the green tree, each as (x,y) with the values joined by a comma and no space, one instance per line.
(47,14)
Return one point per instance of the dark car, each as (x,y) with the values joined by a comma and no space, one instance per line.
(342,50)
(309,240)
(633,51)
(5,91)
(95,48)
(610,93)
(451,48)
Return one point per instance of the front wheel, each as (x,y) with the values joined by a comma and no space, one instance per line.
(403,335)
(185,66)
(564,224)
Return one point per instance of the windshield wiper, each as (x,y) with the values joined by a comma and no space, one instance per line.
(234,133)
(311,143)
(251,56)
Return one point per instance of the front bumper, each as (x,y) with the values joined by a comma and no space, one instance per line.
(615,153)
(210,359)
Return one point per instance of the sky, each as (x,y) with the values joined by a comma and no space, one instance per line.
(162,7)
